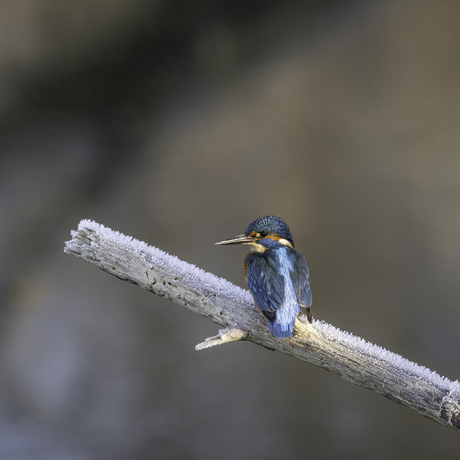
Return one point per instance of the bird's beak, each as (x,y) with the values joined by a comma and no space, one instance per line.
(240,239)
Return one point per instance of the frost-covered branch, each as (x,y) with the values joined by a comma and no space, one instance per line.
(354,359)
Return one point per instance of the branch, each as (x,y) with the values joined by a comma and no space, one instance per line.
(321,344)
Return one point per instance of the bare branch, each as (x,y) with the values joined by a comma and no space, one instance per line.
(226,335)
(354,359)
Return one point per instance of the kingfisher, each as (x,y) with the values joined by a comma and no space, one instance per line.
(277,275)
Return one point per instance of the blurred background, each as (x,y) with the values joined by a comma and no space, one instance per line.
(180,122)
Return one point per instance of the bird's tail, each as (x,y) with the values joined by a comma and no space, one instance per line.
(281,330)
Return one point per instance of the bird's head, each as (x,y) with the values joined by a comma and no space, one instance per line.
(263,232)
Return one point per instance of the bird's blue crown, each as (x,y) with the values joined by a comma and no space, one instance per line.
(271,225)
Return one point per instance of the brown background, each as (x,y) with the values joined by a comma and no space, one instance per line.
(179,123)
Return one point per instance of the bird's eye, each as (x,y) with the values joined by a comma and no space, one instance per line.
(263,234)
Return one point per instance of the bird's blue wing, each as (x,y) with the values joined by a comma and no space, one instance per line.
(300,276)
(265,284)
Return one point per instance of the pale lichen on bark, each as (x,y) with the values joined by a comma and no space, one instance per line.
(321,344)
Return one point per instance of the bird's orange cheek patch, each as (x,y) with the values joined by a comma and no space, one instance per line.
(280,240)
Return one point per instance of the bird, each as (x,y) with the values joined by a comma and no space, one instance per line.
(277,275)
